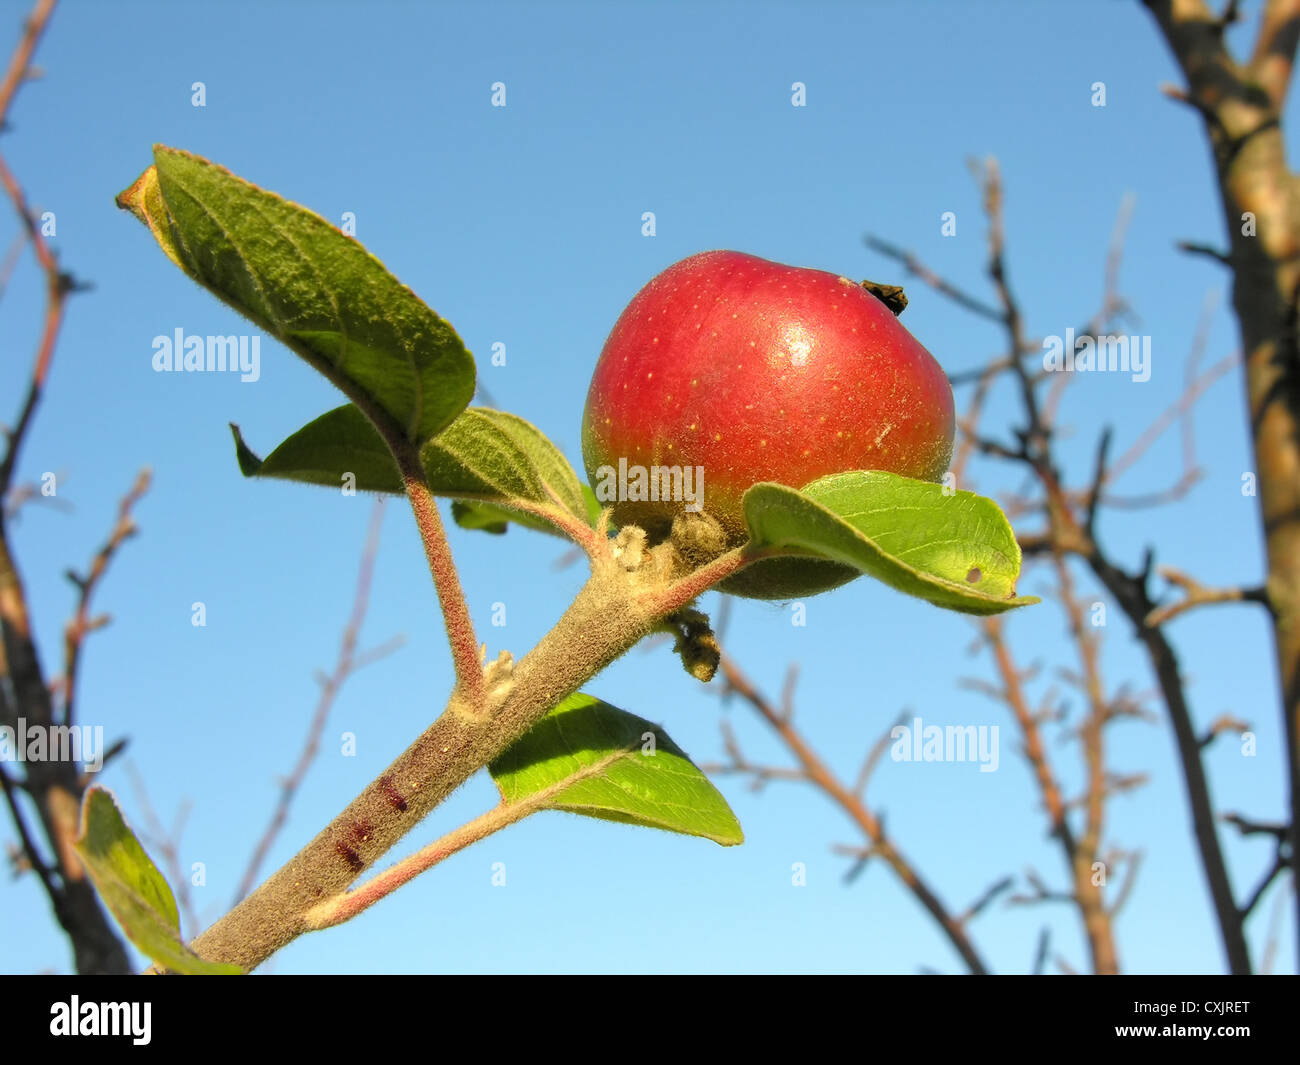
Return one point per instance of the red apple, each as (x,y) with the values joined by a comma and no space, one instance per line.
(750,370)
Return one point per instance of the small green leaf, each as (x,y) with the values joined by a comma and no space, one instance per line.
(589,758)
(488,458)
(315,289)
(957,551)
(483,517)
(339,442)
(134,890)
(593,505)
(496,456)
(490,518)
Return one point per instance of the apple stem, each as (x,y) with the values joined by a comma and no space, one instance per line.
(687,589)
(892,296)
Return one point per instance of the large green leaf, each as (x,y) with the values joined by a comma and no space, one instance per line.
(134,890)
(956,550)
(590,758)
(495,459)
(305,282)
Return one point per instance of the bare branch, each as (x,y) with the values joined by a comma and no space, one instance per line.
(1249,827)
(82,624)
(1221,724)
(29,849)
(982,903)
(918,269)
(1042,951)
(20,64)
(1189,247)
(874,755)
(1126,886)
(347,664)
(739,765)
(166,844)
(870,824)
(1269,954)
(1040,893)
(1280,863)
(1197,594)
(1275,49)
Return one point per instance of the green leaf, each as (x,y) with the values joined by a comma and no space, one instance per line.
(587,757)
(302,280)
(957,551)
(340,442)
(483,517)
(593,505)
(489,457)
(488,518)
(497,456)
(134,890)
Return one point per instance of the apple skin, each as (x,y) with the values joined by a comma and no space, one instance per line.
(758,371)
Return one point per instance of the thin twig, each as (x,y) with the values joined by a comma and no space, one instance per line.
(1196,594)
(76,630)
(918,269)
(166,844)
(347,664)
(33,855)
(820,776)
(57,287)
(21,62)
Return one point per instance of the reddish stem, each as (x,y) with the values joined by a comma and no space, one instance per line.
(460,629)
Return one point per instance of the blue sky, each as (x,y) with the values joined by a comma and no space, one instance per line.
(522,226)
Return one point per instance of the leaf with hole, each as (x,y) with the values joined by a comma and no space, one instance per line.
(954,549)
